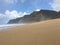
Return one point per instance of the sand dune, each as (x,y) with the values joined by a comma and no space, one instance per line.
(41,33)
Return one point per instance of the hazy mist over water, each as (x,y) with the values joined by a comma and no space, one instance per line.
(6,26)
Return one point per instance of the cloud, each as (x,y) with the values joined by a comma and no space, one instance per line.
(8,15)
(55,5)
(11,1)
(37,10)
(14,14)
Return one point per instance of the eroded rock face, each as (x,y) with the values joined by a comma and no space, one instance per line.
(37,16)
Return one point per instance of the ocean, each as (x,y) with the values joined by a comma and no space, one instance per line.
(6,26)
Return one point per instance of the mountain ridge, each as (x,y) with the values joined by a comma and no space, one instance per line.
(37,16)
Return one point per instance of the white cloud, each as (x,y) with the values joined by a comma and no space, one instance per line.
(2,16)
(12,14)
(55,5)
(10,1)
(37,10)
(8,15)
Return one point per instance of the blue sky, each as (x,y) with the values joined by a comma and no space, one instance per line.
(11,9)
(24,5)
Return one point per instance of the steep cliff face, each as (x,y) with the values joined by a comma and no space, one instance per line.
(37,16)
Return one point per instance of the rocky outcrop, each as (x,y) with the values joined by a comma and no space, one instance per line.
(37,16)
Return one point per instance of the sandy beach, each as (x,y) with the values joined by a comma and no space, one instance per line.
(39,33)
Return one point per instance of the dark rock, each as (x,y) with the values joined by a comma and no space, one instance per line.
(37,16)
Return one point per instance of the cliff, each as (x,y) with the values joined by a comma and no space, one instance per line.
(37,16)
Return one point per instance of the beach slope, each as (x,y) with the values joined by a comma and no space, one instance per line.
(40,33)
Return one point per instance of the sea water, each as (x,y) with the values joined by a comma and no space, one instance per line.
(6,26)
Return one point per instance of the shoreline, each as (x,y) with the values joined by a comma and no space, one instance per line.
(9,26)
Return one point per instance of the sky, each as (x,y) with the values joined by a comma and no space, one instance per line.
(11,9)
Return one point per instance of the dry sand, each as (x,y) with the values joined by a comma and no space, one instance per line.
(41,33)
